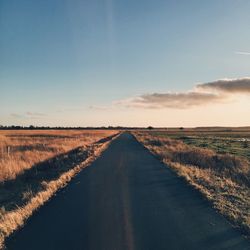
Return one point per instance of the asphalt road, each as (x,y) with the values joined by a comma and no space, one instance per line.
(127,199)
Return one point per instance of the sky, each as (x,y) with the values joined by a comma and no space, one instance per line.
(121,62)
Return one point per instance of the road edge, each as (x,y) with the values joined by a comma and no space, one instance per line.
(22,214)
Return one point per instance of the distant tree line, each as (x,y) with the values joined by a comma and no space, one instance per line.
(31,127)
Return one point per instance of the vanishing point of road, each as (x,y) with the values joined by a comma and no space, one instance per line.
(127,199)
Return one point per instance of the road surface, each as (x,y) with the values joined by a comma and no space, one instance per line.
(127,199)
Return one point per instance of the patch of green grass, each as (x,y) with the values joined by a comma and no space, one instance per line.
(222,143)
(221,146)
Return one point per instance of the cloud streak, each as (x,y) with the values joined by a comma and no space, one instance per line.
(240,86)
(28,115)
(171,100)
(35,114)
(244,53)
(14,115)
(98,108)
(219,91)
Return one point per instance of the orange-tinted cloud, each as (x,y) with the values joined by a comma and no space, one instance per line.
(202,94)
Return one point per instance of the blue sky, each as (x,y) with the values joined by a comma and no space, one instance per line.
(71,62)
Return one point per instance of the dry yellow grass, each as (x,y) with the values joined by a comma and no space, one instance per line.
(21,149)
(223,179)
(29,187)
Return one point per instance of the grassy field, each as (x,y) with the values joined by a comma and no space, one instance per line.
(235,142)
(35,164)
(20,150)
(216,162)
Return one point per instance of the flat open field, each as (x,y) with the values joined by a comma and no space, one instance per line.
(235,141)
(21,149)
(35,163)
(215,161)
(127,199)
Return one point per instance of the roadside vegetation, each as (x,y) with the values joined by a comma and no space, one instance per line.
(218,165)
(21,149)
(233,142)
(35,164)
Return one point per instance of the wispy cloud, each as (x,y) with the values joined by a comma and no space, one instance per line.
(35,115)
(244,53)
(171,100)
(14,115)
(28,115)
(70,109)
(96,107)
(202,94)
